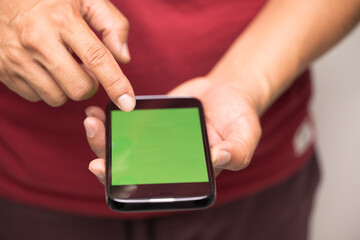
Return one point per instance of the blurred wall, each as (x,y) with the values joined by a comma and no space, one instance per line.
(336,108)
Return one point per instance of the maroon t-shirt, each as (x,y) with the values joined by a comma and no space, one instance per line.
(44,154)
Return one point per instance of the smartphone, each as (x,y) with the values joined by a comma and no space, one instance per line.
(157,156)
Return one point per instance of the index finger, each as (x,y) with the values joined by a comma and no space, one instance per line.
(98,59)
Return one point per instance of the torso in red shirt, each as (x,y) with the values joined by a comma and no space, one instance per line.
(44,154)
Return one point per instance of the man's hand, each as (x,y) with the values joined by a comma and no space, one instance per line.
(37,39)
(256,69)
(231,118)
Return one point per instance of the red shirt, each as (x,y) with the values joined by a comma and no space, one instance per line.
(44,154)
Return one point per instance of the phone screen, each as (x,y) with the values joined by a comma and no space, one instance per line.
(158,156)
(157,146)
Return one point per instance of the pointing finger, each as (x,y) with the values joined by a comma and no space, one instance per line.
(98,59)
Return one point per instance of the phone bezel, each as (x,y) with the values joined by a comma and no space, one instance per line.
(159,196)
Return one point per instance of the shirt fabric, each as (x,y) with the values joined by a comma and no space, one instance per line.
(281,212)
(44,154)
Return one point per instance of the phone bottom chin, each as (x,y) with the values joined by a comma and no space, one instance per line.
(126,206)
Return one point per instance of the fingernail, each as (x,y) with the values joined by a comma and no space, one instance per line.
(126,103)
(89,130)
(222,159)
(125,51)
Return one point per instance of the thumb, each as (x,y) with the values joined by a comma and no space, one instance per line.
(237,148)
(106,19)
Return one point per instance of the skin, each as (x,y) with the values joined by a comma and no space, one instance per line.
(33,31)
(261,64)
(258,67)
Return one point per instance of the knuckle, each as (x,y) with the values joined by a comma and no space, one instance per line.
(57,100)
(7,80)
(52,97)
(245,162)
(95,57)
(55,65)
(81,91)
(241,164)
(15,55)
(16,85)
(33,98)
(122,26)
(243,156)
(31,38)
(113,84)
(62,14)
(125,23)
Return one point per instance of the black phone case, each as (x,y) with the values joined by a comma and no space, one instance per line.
(132,205)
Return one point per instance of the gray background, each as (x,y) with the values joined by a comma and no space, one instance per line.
(336,108)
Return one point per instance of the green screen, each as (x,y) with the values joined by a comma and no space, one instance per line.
(153,146)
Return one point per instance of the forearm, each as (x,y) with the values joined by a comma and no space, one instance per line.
(284,39)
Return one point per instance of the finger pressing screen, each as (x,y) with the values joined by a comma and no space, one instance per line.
(98,59)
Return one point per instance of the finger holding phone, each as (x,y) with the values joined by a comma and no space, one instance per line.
(38,39)
(233,131)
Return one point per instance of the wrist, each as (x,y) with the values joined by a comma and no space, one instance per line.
(251,84)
